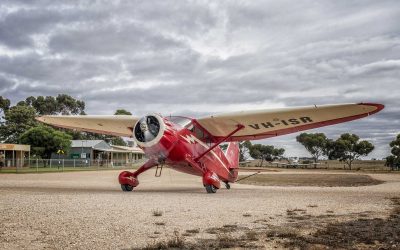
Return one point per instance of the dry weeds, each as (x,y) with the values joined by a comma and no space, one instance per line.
(157,213)
(329,233)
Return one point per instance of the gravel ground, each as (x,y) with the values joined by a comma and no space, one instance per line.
(87,210)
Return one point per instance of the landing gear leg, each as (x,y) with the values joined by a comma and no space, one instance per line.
(227,185)
(128,180)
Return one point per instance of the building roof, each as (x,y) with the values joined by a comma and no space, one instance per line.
(95,144)
(84,143)
(15,147)
(103,146)
(127,149)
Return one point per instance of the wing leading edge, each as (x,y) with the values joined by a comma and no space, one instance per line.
(260,124)
(119,125)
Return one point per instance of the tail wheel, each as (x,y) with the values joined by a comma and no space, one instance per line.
(210,189)
(126,187)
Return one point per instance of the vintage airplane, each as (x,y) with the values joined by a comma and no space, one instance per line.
(192,145)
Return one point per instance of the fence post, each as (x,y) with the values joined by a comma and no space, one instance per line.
(37,165)
(74,162)
(63,165)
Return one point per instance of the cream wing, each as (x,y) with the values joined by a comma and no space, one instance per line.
(259,124)
(119,125)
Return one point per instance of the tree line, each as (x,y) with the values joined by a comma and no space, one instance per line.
(347,148)
(257,151)
(18,124)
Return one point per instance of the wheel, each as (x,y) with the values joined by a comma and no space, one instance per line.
(227,185)
(126,187)
(211,189)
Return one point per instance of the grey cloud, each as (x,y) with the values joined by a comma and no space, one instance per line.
(6,84)
(377,67)
(110,40)
(17,28)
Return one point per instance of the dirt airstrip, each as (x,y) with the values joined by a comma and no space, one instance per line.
(87,210)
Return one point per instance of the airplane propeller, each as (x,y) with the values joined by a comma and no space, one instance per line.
(147,128)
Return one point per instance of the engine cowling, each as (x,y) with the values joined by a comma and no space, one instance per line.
(155,135)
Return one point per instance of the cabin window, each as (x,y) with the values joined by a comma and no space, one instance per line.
(198,133)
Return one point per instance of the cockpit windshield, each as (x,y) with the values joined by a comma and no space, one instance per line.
(180,120)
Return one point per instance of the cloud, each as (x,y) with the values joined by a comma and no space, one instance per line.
(201,57)
(377,68)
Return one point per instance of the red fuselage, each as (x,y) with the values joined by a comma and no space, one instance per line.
(181,144)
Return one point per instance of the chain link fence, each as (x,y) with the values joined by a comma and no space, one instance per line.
(60,165)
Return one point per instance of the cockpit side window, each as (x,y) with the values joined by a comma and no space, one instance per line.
(200,133)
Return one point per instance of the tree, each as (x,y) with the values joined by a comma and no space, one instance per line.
(265,152)
(49,105)
(17,120)
(244,148)
(348,148)
(43,105)
(122,112)
(116,140)
(67,105)
(393,161)
(45,141)
(4,106)
(314,143)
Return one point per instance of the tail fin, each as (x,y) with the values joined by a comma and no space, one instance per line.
(232,154)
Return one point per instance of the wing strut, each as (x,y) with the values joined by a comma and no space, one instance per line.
(247,176)
(239,127)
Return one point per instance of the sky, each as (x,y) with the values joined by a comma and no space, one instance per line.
(197,58)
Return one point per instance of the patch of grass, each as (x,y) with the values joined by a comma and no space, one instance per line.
(263,221)
(160,223)
(301,217)
(293,212)
(374,233)
(176,242)
(229,226)
(224,229)
(193,231)
(157,212)
(312,205)
(246,215)
(212,230)
(319,180)
(251,236)
(225,241)
(281,232)
(329,211)
(326,233)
